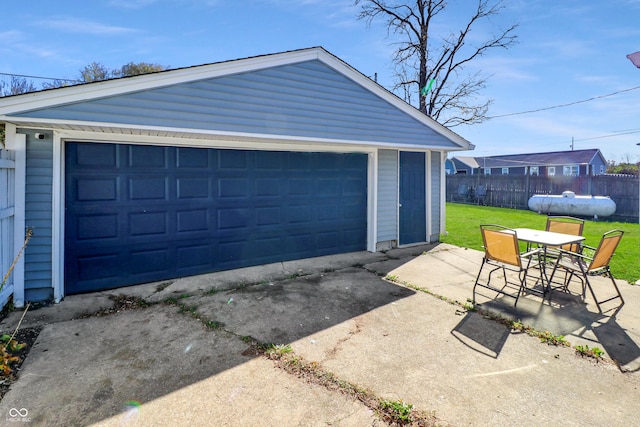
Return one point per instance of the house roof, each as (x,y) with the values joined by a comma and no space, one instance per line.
(554,158)
(467,161)
(19,109)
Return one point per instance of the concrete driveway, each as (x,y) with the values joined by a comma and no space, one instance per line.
(188,355)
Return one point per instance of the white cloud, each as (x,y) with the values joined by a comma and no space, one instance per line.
(11,36)
(84,26)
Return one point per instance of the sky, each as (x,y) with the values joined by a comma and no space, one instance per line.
(568,52)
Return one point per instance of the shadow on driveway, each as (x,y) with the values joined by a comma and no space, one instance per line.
(86,370)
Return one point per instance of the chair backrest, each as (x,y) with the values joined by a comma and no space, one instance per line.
(463,189)
(606,249)
(481,191)
(501,244)
(566,225)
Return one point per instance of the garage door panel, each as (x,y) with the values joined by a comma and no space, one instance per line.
(235,160)
(149,261)
(196,220)
(148,188)
(97,156)
(148,223)
(96,189)
(98,267)
(192,158)
(93,227)
(193,257)
(193,188)
(147,156)
(268,216)
(233,187)
(187,211)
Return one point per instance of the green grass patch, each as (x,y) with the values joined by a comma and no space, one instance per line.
(463,228)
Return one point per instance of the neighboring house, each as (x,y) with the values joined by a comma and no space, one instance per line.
(558,163)
(449,167)
(194,170)
(464,165)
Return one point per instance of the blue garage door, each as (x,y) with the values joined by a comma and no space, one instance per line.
(137,213)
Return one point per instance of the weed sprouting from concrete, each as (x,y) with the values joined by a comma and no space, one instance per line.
(193,312)
(400,410)
(585,351)
(164,285)
(394,413)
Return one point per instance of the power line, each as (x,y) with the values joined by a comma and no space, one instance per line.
(564,105)
(610,135)
(42,78)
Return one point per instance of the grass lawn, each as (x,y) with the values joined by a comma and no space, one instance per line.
(463,228)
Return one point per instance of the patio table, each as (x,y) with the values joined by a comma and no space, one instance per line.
(545,239)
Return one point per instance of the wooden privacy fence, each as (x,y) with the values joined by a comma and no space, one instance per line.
(514,191)
(7,177)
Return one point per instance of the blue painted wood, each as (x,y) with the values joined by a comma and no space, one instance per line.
(413,218)
(136,214)
(38,216)
(307,99)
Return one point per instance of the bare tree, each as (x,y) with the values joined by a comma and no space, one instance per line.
(135,69)
(434,68)
(17,86)
(95,72)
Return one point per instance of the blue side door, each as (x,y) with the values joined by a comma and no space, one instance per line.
(413,213)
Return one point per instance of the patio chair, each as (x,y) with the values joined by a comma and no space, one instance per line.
(481,194)
(566,225)
(502,252)
(582,267)
(463,193)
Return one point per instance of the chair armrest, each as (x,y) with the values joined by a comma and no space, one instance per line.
(575,254)
(532,252)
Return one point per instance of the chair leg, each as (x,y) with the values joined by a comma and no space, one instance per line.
(593,294)
(615,286)
(477,280)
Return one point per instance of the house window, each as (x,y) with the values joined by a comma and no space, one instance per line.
(505,171)
(602,169)
(571,170)
(487,171)
(551,171)
(534,171)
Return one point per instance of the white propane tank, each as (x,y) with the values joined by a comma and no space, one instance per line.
(570,204)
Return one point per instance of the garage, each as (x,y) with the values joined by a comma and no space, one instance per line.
(193,170)
(141,213)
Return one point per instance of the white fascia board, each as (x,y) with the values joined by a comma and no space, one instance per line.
(136,133)
(95,90)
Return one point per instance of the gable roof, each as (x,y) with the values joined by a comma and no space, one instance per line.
(554,158)
(70,107)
